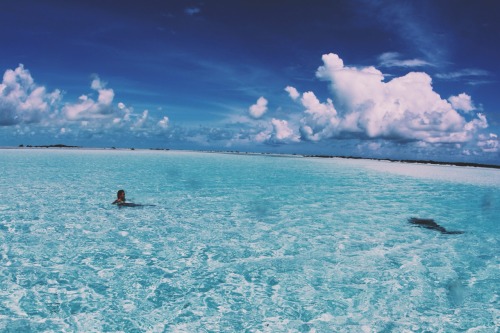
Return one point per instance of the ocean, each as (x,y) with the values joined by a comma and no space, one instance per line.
(244,243)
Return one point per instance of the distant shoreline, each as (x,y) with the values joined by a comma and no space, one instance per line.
(432,162)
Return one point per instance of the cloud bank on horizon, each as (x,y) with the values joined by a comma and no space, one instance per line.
(364,107)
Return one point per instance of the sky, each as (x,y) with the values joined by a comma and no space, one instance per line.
(378,79)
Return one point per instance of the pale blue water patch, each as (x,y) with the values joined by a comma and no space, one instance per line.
(239,243)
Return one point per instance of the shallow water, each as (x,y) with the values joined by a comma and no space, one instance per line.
(244,243)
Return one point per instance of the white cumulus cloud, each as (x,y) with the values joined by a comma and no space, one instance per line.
(294,94)
(258,109)
(321,120)
(405,108)
(163,123)
(462,102)
(277,131)
(22,101)
(282,131)
(87,108)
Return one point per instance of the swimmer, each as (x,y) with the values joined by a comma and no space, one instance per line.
(121,201)
(120,198)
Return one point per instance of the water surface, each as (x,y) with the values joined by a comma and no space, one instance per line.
(239,243)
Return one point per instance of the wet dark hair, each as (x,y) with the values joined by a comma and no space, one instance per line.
(119,193)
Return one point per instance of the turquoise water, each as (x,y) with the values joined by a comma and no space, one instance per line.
(244,243)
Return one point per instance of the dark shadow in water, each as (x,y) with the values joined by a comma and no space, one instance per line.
(456,293)
(432,225)
(487,201)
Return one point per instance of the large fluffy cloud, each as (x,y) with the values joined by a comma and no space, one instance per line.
(405,108)
(22,101)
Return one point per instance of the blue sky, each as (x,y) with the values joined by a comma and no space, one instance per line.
(384,79)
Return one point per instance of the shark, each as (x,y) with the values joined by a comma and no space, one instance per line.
(432,225)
